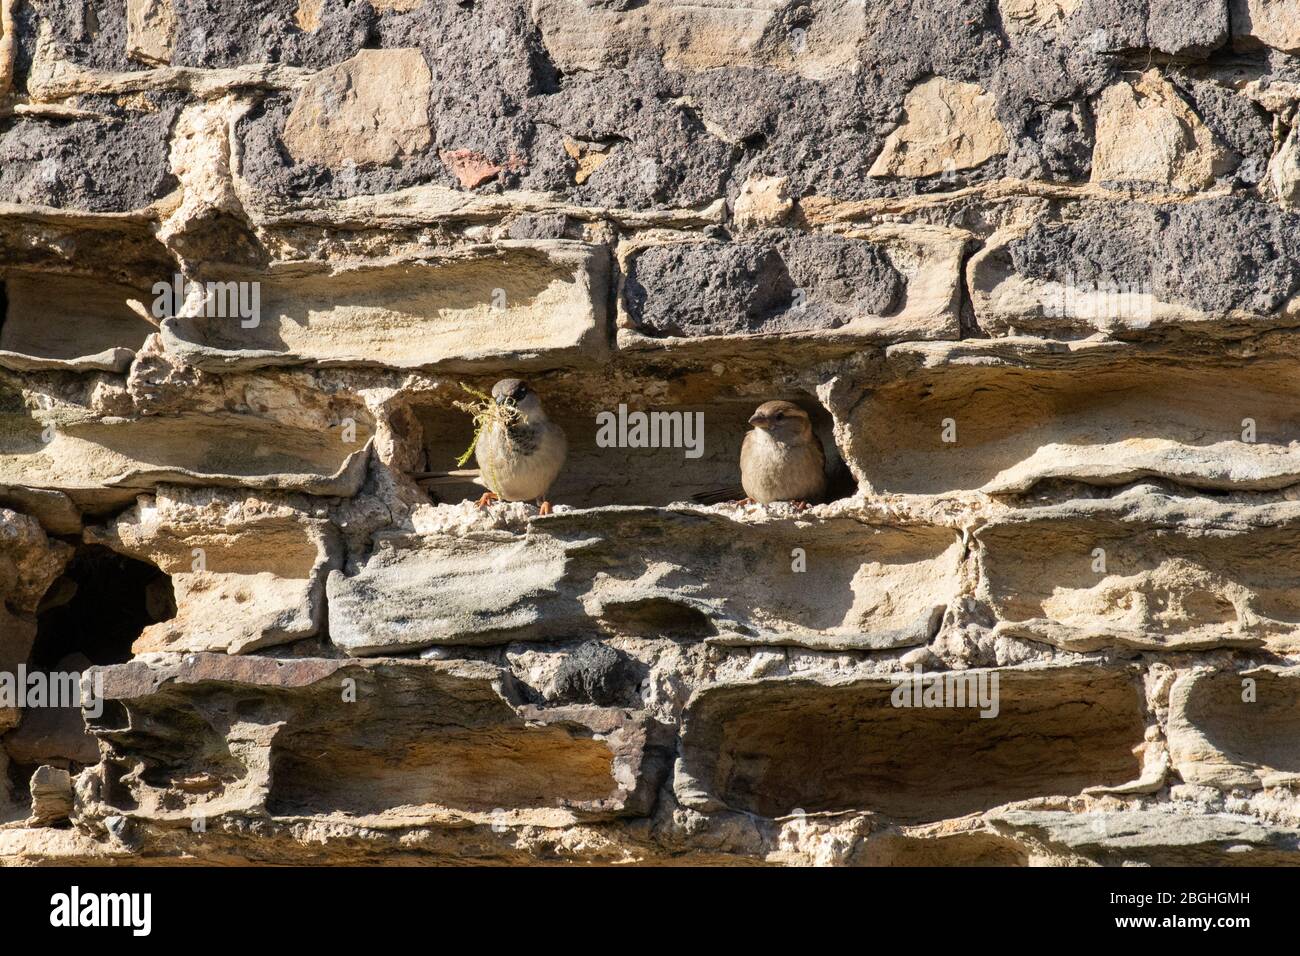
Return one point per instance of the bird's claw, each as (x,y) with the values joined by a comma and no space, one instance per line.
(487,499)
(544,508)
(799,506)
(744,501)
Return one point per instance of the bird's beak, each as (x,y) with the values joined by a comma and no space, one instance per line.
(758,421)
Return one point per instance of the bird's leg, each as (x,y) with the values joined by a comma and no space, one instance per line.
(543,507)
(799,506)
(744,501)
(487,499)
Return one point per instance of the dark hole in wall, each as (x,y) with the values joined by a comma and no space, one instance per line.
(4,308)
(98,608)
(90,616)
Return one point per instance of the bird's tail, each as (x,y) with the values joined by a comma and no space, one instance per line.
(719,495)
(459,476)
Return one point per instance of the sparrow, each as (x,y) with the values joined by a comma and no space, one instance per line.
(520,461)
(781,459)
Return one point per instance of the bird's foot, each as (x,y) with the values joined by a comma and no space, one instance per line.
(744,501)
(543,508)
(799,506)
(487,499)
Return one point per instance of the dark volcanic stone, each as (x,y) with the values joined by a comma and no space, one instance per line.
(599,674)
(777,283)
(90,33)
(1179,27)
(1230,253)
(1213,255)
(113,165)
(221,33)
(844,272)
(1241,124)
(1110,246)
(707,288)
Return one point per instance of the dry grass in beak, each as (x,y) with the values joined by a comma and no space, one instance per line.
(485,411)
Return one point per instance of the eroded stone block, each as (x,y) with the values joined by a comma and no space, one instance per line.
(1144,571)
(536,303)
(409,743)
(372,110)
(779,745)
(1273,23)
(1232,729)
(93,459)
(693,37)
(695,573)
(67,322)
(882,283)
(1129,270)
(947,126)
(1146,133)
(247,571)
(972,416)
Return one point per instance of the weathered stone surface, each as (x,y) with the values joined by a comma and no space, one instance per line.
(1217,263)
(790,283)
(1285,172)
(1273,23)
(530,302)
(1147,134)
(1150,837)
(69,322)
(1080,412)
(800,750)
(52,801)
(1143,571)
(1192,28)
(1032,268)
(412,743)
(150,31)
(699,37)
(567,580)
(97,458)
(371,110)
(1019,15)
(764,202)
(247,572)
(1232,729)
(113,164)
(946,126)
(29,563)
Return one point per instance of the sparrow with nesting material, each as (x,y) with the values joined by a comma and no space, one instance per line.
(781,459)
(519,461)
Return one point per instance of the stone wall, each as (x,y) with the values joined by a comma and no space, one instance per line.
(1032,266)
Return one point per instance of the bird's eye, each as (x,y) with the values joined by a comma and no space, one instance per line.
(779,415)
(519,392)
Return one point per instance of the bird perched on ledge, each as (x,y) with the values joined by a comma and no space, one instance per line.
(781,459)
(519,461)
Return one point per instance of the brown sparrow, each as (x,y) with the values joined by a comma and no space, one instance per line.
(781,459)
(519,462)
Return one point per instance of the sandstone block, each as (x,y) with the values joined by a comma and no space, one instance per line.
(372,109)
(946,126)
(1146,133)
(247,572)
